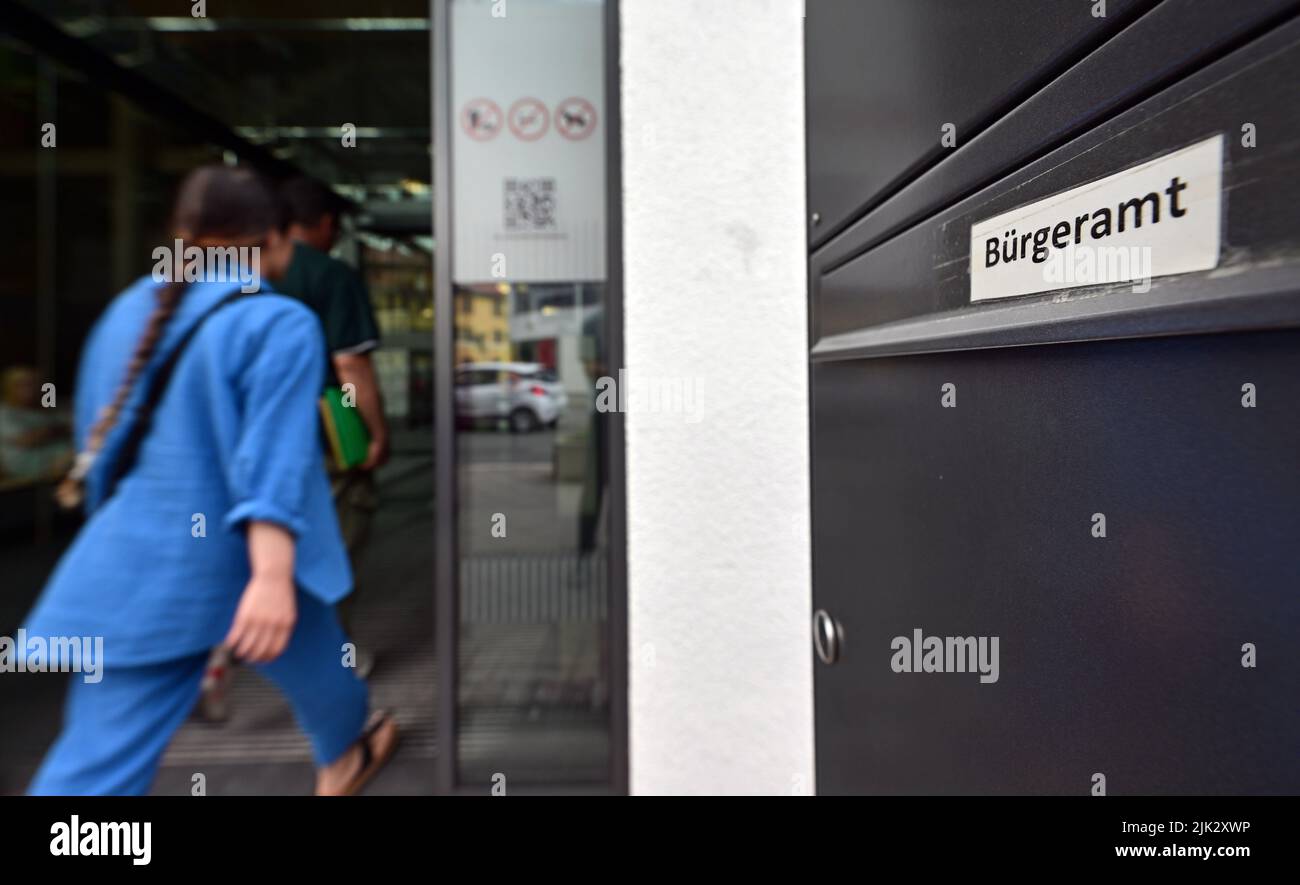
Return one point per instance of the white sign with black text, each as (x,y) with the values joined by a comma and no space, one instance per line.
(1162,217)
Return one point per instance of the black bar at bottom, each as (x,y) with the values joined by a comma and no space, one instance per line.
(212,834)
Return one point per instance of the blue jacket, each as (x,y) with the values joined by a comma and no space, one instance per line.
(235,438)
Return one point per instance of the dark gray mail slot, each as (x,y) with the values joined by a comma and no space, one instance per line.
(1248,97)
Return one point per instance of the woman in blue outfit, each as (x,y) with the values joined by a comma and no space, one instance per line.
(213,524)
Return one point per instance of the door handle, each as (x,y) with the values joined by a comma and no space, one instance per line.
(828,637)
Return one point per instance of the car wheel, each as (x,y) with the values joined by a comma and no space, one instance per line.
(523,421)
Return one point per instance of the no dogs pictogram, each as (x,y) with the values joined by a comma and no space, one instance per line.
(575,118)
(481,119)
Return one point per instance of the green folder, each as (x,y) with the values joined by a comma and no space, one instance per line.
(345,432)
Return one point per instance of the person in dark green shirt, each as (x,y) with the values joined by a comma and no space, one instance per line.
(338,296)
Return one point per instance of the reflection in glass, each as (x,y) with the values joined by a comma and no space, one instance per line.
(527,253)
(533,657)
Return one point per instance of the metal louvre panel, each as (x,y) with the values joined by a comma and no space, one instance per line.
(924,271)
(884,75)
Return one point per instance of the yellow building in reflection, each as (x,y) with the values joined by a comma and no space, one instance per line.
(482,324)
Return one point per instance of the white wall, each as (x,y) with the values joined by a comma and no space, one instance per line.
(718,508)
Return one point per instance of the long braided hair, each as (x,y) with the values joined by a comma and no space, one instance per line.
(215,206)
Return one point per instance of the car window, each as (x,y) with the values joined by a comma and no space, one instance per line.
(475,377)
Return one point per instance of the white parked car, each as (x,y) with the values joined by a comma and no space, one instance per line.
(527,395)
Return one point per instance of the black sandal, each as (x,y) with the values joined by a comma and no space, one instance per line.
(371,763)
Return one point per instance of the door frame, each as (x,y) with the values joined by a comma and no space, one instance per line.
(446,546)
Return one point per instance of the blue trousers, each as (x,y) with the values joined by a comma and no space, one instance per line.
(116,730)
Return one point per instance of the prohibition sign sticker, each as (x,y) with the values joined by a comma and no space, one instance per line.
(575,118)
(481,119)
(529,119)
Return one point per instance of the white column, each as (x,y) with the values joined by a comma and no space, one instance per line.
(718,503)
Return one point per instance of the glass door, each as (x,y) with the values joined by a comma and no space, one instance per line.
(530,674)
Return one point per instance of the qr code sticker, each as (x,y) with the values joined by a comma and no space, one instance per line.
(530,204)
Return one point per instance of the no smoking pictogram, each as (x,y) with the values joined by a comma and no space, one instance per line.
(529,119)
(481,119)
(575,118)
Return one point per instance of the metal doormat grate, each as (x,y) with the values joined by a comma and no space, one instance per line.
(534,588)
(261,728)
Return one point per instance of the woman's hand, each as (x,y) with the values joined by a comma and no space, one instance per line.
(264,620)
(268,609)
